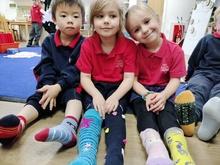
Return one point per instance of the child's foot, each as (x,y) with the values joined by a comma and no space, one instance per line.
(211,120)
(10,129)
(185,108)
(177,145)
(159,161)
(65,133)
(155,148)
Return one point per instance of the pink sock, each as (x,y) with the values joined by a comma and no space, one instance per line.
(156,150)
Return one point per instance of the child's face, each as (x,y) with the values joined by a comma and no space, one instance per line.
(106,24)
(143,26)
(68,19)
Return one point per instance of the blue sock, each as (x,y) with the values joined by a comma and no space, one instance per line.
(88,138)
(65,133)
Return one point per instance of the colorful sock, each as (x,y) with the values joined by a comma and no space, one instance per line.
(11,128)
(211,120)
(185,108)
(156,150)
(88,138)
(65,133)
(177,145)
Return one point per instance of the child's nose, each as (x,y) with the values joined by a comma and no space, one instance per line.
(106,19)
(145,30)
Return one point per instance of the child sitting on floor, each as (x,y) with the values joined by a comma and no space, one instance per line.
(160,65)
(204,82)
(58,80)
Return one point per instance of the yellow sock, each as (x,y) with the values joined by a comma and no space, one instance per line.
(177,145)
(185,107)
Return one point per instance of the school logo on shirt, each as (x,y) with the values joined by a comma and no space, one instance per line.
(164,68)
(119,63)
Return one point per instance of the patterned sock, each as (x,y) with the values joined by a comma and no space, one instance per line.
(211,120)
(156,150)
(185,107)
(11,128)
(88,138)
(65,133)
(177,145)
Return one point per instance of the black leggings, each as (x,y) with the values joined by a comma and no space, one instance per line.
(161,122)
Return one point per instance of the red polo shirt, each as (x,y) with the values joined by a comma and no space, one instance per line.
(36,15)
(107,67)
(157,68)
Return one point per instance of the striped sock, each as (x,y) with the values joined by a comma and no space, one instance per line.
(11,128)
(88,138)
(65,133)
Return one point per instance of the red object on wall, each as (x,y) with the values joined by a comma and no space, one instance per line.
(178,33)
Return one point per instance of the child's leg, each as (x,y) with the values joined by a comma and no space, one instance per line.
(211,120)
(11,126)
(115,137)
(177,145)
(88,138)
(65,133)
(185,108)
(156,150)
(148,127)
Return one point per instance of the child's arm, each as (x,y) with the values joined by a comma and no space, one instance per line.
(141,90)
(158,100)
(195,57)
(89,87)
(113,100)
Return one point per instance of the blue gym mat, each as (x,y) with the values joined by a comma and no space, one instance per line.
(17,80)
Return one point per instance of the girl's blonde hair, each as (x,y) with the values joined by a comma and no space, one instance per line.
(97,7)
(138,7)
(216,14)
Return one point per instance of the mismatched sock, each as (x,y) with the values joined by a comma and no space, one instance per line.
(185,108)
(177,145)
(211,120)
(64,133)
(88,138)
(11,128)
(156,150)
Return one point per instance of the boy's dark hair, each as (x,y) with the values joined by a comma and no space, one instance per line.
(56,3)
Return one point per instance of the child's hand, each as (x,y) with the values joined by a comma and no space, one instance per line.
(148,102)
(99,104)
(111,104)
(157,102)
(50,93)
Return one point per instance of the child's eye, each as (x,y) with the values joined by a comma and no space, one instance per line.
(99,16)
(76,16)
(113,16)
(146,21)
(63,15)
(136,30)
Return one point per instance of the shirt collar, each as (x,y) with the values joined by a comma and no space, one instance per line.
(59,43)
(118,48)
(216,34)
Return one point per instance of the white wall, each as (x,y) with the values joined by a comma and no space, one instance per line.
(174,9)
(8,12)
(217,3)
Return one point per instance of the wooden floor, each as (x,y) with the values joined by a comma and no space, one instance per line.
(27,151)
